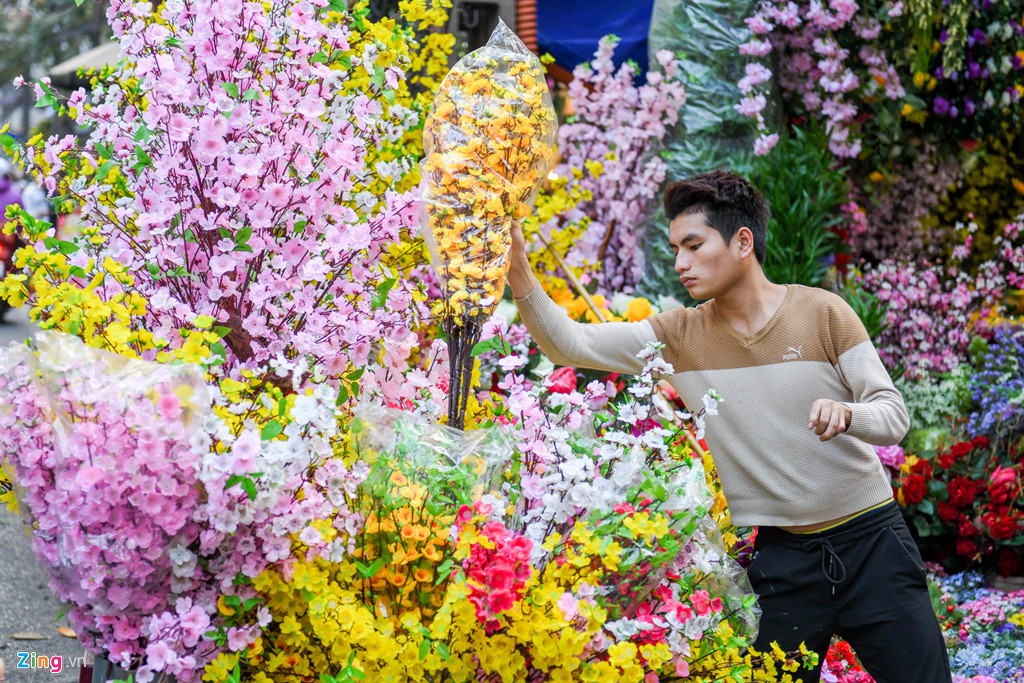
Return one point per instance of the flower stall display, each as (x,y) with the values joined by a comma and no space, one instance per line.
(488,141)
(561,543)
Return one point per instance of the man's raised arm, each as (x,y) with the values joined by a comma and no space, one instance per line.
(612,347)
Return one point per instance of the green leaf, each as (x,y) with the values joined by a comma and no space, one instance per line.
(319,58)
(346,62)
(222,331)
(142,134)
(355,374)
(378,76)
(383,288)
(272,430)
(231,89)
(492,344)
(442,649)
(103,170)
(424,648)
(76,271)
(103,151)
(67,248)
(250,603)
(389,95)
(250,94)
(7,142)
(143,159)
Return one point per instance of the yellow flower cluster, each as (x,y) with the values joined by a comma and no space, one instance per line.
(488,141)
(414,43)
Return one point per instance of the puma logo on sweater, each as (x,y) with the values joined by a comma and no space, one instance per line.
(793,353)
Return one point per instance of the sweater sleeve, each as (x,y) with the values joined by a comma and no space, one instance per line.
(612,346)
(878,415)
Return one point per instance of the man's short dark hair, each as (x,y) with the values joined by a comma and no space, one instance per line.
(728,202)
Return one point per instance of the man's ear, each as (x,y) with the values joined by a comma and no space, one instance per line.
(745,241)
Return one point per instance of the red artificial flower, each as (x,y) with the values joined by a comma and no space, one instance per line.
(922,467)
(965,529)
(563,380)
(1003,486)
(999,527)
(500,601)
(501,578)
(914,489)
(960,449)
(948,512)
(1009,563)
(961,491)
(980,442)
(946,460)
(966,548)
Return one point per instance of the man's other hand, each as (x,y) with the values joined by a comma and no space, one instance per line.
(829,418)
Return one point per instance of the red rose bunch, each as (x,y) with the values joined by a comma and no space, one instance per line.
(968,496)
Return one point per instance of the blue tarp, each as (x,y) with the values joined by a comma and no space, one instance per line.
(570,29)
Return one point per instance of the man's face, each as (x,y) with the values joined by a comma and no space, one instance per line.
(707,266)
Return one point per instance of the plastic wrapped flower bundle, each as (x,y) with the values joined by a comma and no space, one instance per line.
(104,453)
(488,142)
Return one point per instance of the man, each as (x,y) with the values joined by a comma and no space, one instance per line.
(804,395)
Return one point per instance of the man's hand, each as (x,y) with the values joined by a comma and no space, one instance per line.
(829,418)
(520,274)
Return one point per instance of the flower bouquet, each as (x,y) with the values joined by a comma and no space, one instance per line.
(488,141)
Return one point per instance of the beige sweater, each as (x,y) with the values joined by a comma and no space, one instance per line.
(774,470)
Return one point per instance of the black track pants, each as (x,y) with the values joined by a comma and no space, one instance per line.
(863,580)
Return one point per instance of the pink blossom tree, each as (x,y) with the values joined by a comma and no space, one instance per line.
(609,151)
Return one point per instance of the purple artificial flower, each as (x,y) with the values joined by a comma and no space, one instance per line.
(940,106)
(1016,62)
(968,107)
(973,70)
(943,37)
(979,37)
(939,73)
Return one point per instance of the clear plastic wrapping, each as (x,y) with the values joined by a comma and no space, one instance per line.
(488,142)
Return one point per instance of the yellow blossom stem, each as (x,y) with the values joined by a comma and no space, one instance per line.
(572,278)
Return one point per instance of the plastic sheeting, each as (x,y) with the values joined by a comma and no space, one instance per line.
(706,35)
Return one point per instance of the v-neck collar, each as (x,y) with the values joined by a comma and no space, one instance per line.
(765,329)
